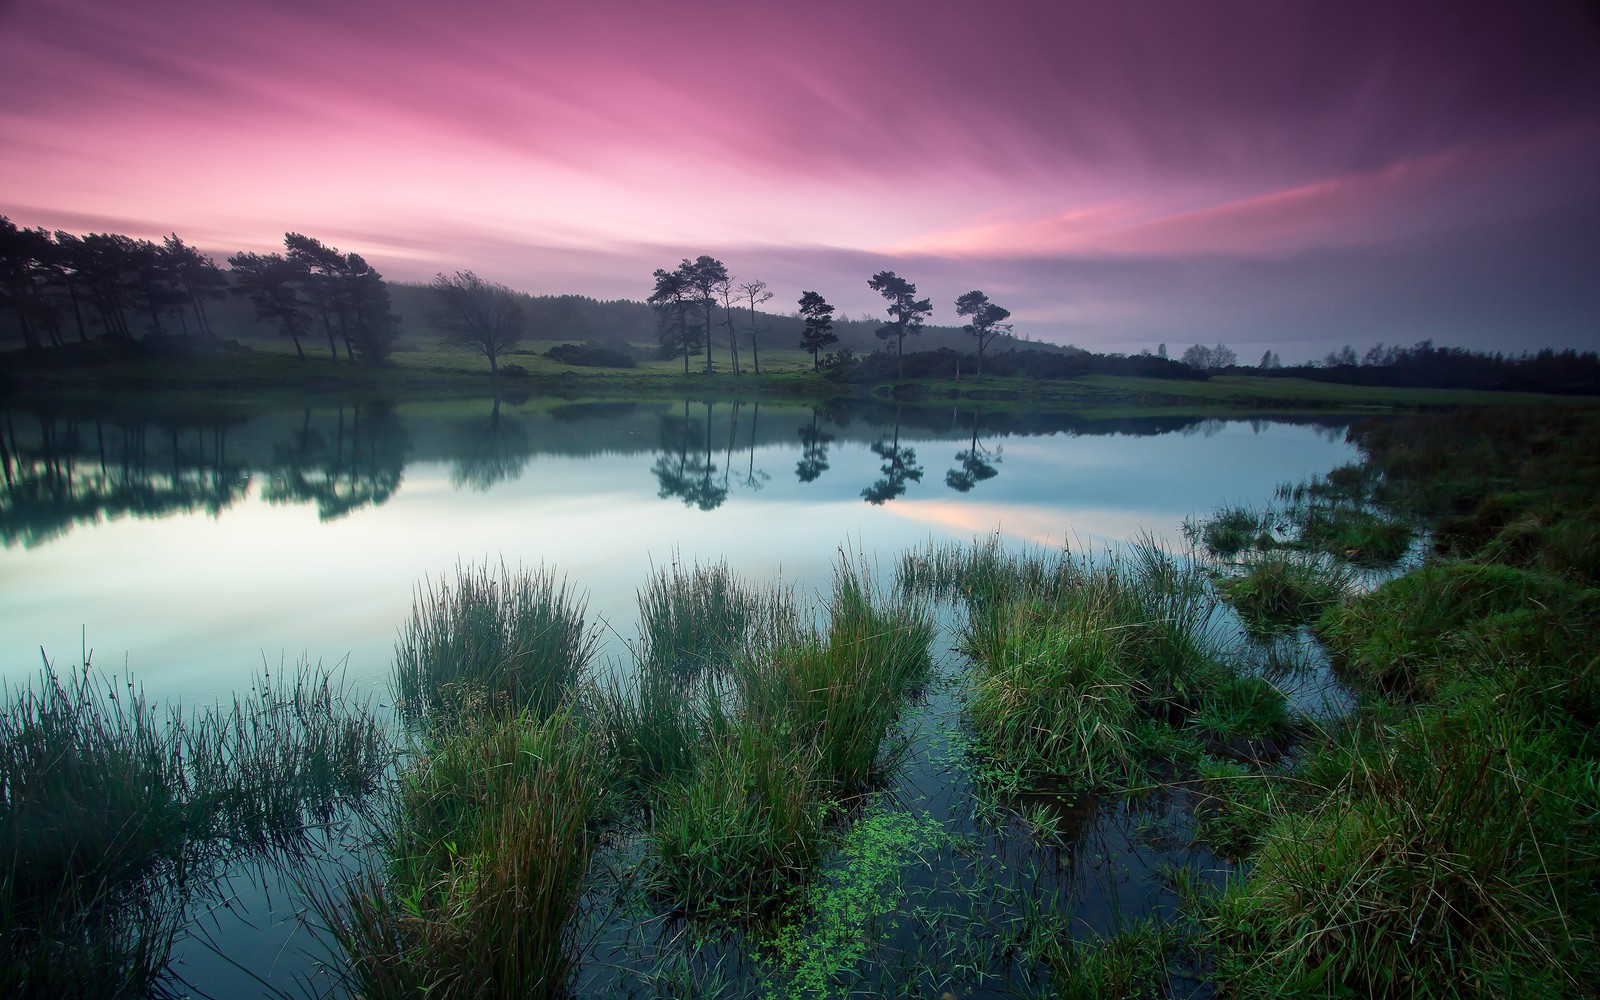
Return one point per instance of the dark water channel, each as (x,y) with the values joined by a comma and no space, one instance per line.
(192,547)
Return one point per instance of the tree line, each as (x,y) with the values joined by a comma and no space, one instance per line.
(61,288)
(686,299)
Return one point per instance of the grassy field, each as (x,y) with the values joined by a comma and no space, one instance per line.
(271,372)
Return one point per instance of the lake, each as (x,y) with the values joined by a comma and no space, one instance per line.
(194,546)
(191,547)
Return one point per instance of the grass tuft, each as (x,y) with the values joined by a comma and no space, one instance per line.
(507,641)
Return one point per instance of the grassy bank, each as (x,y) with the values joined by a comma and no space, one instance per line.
(271,374)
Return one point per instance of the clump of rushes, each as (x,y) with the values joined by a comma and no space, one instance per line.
(1232,530)
(1449,858)
(506,641)
(842,691)
(691,620)
(1242,716)
(1280,590)
(1076,656)
(293,751)
(652,729)
(489,844)
(1136,961)
(802,722)
(745,827)
(1355,534)
(109,812)
(1057,694)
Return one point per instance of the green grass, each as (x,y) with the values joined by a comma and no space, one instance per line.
(1278,590)
(1415,634)
(501,641)
(112,813)
(1447,860)
(703,617)
(488,848)
(1079,661)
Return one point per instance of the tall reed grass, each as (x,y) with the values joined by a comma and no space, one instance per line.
(498,640)
(488,847)
(111,812)
(704,617)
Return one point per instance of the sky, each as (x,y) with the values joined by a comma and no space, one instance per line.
(1283,174)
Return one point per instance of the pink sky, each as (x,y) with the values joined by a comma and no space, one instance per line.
(1288,174)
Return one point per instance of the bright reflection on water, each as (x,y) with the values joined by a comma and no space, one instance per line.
(193,547)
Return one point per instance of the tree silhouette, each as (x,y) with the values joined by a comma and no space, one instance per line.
(818,331)
(197,276)
(269,282)
(906,312)
(976,464)
(481,316)
(988,321)
(755,293)
(899,468)
(671,301)
(707,277)
(813,451)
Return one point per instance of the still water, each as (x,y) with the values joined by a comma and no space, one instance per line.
(193,547)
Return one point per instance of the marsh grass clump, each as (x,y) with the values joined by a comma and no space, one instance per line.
(1076,656)
(1232,530)
(112,813)
(1058,696)
(293,751)
(1355,534)
(736,836)
(1412,635)
(1243,715)
(488,847)
(1279,590)
(505,641)
(801,723)
(1450,859)
(653,729)
(692,620)
(1134,962)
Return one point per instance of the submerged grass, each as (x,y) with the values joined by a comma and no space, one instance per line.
(514,641)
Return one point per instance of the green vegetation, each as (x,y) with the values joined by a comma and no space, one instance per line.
(489,843)
(1278,590)
(113,815)
(732,793)
(507,641)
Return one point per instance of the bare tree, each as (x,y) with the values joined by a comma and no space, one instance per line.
(755,293)
(482,316)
